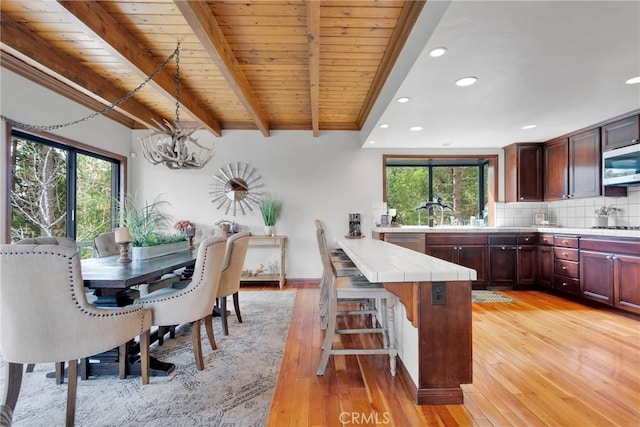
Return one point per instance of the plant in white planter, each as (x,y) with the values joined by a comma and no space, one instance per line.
(148,226)
(270,210)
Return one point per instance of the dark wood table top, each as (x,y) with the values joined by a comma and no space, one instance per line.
(108,273)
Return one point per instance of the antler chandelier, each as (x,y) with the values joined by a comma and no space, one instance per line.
(172,144)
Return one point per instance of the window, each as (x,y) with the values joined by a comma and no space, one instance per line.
(60,188)
(461,186)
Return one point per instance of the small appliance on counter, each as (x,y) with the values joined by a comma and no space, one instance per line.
(354,225)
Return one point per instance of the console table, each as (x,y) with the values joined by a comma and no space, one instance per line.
(279,241)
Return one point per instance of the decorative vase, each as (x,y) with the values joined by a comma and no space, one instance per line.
(269,230)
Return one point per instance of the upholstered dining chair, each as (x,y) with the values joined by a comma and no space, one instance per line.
(356,289)
(193,303)
(46,317)
(234,256)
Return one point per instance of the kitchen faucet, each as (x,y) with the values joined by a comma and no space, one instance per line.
(438,205)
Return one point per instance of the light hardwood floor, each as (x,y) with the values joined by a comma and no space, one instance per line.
(541,361)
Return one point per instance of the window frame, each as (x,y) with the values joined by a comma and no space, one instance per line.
(492,164)
(72,147)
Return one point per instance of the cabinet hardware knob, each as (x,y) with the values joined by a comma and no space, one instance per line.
(635,140)
(526,239)
(564,254)
(613,257)
(519,247)
(564,268)
(564,283)
(564,242)
(503,248)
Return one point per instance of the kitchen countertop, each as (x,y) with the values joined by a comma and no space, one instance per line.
(539,229)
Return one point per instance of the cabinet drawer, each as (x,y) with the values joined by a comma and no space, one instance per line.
(566,284)
(567,268)
(565,241)
(502,239)
(456,239)
(545,240)
(565,253)
(527,239)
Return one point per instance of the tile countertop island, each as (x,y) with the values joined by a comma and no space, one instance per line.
(433,323)
(538,229)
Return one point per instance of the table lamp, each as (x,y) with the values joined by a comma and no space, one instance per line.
(123,238)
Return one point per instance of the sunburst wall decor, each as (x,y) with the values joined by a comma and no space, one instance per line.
(236,188)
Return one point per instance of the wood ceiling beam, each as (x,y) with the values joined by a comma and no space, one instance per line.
(37,53)
(313,37)
(205,25)
(95,21)
(407,19)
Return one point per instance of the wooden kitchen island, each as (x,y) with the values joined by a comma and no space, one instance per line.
(433,324)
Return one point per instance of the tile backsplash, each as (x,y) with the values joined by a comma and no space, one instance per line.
(576,213)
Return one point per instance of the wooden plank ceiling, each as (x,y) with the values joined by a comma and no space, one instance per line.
(260,65)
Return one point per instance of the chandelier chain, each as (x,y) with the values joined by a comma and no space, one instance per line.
(110,106)
(177,53)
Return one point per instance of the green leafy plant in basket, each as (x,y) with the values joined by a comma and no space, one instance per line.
(270,210)
(146,224)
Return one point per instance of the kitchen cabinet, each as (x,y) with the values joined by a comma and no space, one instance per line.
(526,261)
(523,172)
(545,260)
(610,272)
(566,272)
(502,259)
(469,250)
(572,166)
(621,133)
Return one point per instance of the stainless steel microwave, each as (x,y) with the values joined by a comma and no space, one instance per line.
(621,166)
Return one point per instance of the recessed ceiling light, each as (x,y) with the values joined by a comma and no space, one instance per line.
(415,128)
(466,81)
(384,125)
(372,142)
(528,127)
(633,80)
(439,51)
(403,100)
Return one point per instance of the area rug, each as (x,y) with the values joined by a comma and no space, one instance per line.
(235,389)
(489,296)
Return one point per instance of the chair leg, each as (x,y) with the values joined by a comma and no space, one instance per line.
(208,324)
(197,346)
(122,361)
(12,384)
(59,372)
(30,367)
(72,386)
(145,341)
(84,368)
(222,303)
(236,307)
(327,344)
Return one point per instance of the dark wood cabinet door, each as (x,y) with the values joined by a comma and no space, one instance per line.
(502,268)
(627,285)
(523,172)
(621,133)
(596,276)
(545,266)
(527,266)
(530,173)
(556,176)
(447,253)
(475,257)
(585,166)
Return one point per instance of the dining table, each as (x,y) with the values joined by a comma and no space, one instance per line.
(112,282)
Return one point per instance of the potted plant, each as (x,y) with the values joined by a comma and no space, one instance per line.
(147,226)
(270,210)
